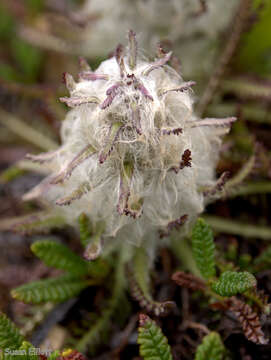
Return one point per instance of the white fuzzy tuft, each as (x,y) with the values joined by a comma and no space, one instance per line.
(134,159)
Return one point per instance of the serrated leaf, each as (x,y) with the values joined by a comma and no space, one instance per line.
(10,336)
(211,348)
(231,283)
(59,256)
(204,248)
(153,345)
(54,290)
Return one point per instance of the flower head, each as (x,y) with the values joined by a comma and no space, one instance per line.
(134,156)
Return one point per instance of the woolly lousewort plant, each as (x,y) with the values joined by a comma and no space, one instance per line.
(134,156)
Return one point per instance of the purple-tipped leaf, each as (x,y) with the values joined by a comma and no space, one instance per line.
(79,100)
(126,177)
(170,131)
(219,185)
(119,54)
(213,122)
(157,64)
(75,195)
(92,76)
(185,162)
(134,208)
(139,86)
(43,157)
(69,81)
(136,119)
(83,64)
(185,86)
(112,137)
(175,224)
(111,93)
(83,155)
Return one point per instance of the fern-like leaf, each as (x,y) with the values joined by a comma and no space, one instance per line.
(204,248)
(59,256)
(153,345)
(231,283)
(9,334)
(211,348)
(55,290)
(249,321)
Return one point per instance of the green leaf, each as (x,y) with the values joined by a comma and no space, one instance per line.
(204,248)
(211,348)
(153,345)
(231,283)
(55,290)
(59,256)
(9,334)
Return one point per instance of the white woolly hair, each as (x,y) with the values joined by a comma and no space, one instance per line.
(134,156)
